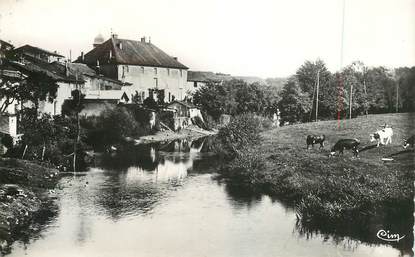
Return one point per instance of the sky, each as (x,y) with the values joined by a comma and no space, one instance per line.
(265,38)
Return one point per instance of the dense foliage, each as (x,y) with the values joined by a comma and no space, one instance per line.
(241,132)
(35,88)
(113,126)
(236,97)
(366,90)
(49,139)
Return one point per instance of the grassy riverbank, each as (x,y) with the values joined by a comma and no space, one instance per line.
(331,188)
(24,192)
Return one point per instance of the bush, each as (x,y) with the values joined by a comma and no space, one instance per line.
(49,139)
(167,118)
(248,168)
(111,127)
(7,141)
(242,131)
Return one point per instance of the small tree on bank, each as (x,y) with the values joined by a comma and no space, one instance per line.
(72,108)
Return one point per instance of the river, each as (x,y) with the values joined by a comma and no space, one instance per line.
(167,201)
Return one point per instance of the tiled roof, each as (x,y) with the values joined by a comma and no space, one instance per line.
(188,105)
(53,70)
(5,44)
(130,52)
(34,49)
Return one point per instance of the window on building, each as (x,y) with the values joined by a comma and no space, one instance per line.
(155,71)
(169,97)
(156,82)
(181,73)
(195,84)
(168,72)
(142,70)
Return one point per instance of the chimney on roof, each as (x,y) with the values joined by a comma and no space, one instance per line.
(82,56)
(143,39)
(114,36)
(66,69)
(175,58)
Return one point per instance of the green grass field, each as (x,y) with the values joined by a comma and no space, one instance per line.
(341,186)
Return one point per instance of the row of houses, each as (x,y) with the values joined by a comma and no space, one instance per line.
(113,71)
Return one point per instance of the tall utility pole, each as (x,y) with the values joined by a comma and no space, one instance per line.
(397,96)
(351,100)
(318,84)
(364,88)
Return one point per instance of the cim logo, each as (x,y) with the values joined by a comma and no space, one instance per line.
(386,236)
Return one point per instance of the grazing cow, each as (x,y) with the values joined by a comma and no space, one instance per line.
(383,136)
(312,139)
(346,144)
(409,142)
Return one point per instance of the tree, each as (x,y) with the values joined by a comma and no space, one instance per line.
(73,107)
(306,76)
(36,87)
(150,103)
(215,99)
(405,81)
(354,81)
(381,88)
(294,105)
(116,124)
(236,97)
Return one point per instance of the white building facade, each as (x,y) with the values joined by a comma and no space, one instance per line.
(149,70)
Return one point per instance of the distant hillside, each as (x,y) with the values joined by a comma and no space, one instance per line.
(204,76)
(251,79)
(278,83)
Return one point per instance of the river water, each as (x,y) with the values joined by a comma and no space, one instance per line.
(166,200)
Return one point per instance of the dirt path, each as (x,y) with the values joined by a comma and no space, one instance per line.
(192,132)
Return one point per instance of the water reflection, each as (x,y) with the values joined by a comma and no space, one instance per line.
(163,200)
(348,235)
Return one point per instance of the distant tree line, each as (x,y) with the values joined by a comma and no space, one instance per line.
(236,97)
(355,90)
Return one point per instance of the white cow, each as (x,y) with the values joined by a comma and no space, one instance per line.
(383,136)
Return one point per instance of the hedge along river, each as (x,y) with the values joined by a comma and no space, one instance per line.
(166,200)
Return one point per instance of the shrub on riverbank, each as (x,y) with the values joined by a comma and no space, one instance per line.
(48,139)
(112,126)
(243,131)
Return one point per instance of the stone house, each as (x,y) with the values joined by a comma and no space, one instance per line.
(100,91)
(149,70)
(184,113)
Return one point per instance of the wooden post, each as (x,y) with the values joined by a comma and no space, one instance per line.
(43,151)
(397,96)
(24,151)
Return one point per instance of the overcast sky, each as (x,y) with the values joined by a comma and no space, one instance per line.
(266,38)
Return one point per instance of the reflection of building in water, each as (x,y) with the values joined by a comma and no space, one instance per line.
(167,171)
(171,162)
(173,167)
(184,145)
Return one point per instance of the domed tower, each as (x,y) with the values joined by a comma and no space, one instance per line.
(99,39)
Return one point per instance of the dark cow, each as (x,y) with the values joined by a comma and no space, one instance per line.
(312,139)
(346,144)
(409,142)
